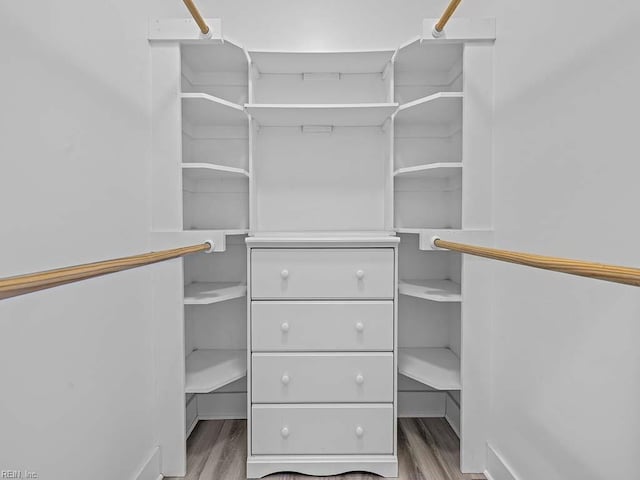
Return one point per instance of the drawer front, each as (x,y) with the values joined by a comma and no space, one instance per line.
(322,273)
(357,325)
(322,429)
(321,377)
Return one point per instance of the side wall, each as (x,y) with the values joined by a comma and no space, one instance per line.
(76,362)
(566,366)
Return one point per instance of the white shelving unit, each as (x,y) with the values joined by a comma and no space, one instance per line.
(338,148)
(434,290)
(209,370)
(206,293)
(436,367)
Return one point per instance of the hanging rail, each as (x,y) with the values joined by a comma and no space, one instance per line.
(600,271)
(195,13)
(32,282)
(439,27)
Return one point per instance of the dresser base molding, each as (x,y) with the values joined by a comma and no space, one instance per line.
(321,465)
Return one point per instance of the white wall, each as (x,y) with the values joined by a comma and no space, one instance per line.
(566,364)
(76,362)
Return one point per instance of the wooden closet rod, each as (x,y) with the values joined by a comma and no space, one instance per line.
(32,282)
(195,13)
(600,271)
(439,27)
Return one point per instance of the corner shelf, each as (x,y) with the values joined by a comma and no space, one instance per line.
(436,367)
(199,171)
(439,108)
(208,370)
(430,170)
(338,115)
(434,290)
(207,293)
(205,109)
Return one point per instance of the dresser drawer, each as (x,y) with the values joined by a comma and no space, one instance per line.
(322,273)
(317,325)
(321,377)
(322,429)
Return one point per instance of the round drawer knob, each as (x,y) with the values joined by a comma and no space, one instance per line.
(360,326)
(359,379)
(359,431)
(285,379)
(284,432)
(284,327)
(284,273)
(360,274)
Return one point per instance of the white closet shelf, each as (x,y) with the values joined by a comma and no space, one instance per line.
(226,57)
(431,170)
(338,115)
(320,62)
(434,290)
(205,109)
(436,367)
(208,370)
(199,171)
(206,293)
(439,108)
(417,56)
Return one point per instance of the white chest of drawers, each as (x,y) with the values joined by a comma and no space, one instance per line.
(322,357)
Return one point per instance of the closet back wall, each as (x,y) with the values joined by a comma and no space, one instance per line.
(76,362)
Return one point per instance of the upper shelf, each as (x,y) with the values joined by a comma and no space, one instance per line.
(208,370)
(204,109)
(439,108)
(320,62)
(221,58)
(434,290)
(338,115)
(431,170)
(202,171)
(437,367)
(417,56)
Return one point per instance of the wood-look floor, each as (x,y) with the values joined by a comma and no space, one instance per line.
(428,449)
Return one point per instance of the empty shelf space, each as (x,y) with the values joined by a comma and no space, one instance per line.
(338,115)
(205,109)
(431,170)
(434,290)
(442,107)
(320,62)
(208,370)
(199,171)
(206,293)
(436,367)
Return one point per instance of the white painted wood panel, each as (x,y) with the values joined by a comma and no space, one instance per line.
(322,377)
(322,429)
(322,273)
(278,326)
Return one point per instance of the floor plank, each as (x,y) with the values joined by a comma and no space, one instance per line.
(428,449)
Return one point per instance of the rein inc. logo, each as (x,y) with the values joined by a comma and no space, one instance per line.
(18,474)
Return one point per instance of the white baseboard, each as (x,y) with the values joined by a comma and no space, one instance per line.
(452,414)
(222,406)
(421,404)
(497,468)
(151,468)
